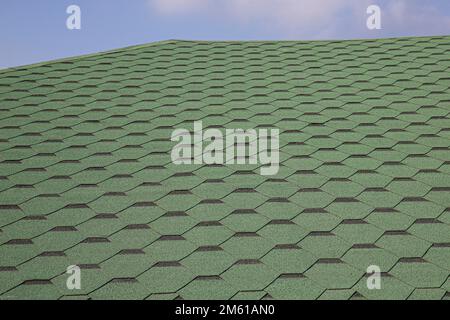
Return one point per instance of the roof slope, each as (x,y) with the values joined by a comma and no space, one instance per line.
(86,177)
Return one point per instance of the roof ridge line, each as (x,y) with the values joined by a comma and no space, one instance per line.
(87,55)
(155,43)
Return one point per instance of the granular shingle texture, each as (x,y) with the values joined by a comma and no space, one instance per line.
(86,176)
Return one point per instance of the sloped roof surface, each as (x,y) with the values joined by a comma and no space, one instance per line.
(86,177)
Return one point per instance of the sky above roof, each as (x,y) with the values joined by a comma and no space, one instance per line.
(36,31)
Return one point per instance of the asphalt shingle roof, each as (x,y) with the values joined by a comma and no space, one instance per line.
(86,177)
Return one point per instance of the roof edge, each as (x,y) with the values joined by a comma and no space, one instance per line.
(74,58)
(155,43)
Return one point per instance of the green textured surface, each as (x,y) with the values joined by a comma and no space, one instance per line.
(86,177)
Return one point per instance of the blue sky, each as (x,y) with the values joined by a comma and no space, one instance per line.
(35,31)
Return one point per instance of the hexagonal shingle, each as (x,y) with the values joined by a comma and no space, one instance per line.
(86,175)
(249,275)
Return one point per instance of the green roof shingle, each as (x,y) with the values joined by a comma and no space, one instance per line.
(86,176)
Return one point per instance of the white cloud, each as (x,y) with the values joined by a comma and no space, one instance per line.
(313,18)
(305,11)
(416,17)
(300,10)
(298,17)
(290,16)
(169,7)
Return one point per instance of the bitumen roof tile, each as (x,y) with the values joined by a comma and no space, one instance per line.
(86,176)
